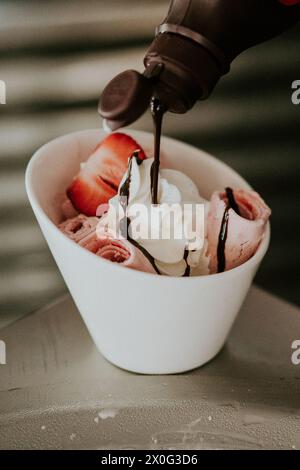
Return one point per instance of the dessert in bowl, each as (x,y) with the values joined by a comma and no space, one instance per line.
(165,315)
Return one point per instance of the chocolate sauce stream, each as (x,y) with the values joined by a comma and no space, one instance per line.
(125,222)
(231,204)
(157,110)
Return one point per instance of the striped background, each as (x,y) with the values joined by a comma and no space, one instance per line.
(56,57)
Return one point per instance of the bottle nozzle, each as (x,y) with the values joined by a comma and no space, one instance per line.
(125,99)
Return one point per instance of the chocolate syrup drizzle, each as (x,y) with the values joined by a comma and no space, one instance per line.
(187,271)
(231,200)
(157,110)
(125,222)
(231,204)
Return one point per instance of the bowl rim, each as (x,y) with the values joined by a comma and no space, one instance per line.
(33,199)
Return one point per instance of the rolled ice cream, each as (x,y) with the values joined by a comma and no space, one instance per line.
(83,230)
(238,222)
(234,221)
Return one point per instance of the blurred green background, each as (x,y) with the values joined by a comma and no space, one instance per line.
(56,57)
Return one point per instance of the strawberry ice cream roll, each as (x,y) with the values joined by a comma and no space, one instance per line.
(79,227)
(83,230)
(236,224)
(124,253)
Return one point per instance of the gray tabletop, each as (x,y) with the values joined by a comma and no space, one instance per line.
(57,391)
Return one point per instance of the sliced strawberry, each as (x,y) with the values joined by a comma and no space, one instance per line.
(110,158)
(100,176)
(88,191)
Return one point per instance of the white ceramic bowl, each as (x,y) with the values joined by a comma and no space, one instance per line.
(141,322)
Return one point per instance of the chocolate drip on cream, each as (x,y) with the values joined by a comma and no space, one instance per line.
(187,271)
(231,200)
(141,248)
(125,222)
(157,111)
(231,204)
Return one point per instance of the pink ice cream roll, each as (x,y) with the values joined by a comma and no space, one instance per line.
(82,230)
(123,252)
(231,244)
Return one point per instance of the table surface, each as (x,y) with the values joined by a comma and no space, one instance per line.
(57,391)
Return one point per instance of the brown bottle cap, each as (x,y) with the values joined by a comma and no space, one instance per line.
(125,98)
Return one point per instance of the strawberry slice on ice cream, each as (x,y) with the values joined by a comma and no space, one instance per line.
(99,177)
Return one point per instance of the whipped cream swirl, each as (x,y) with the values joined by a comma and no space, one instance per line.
(174,254)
